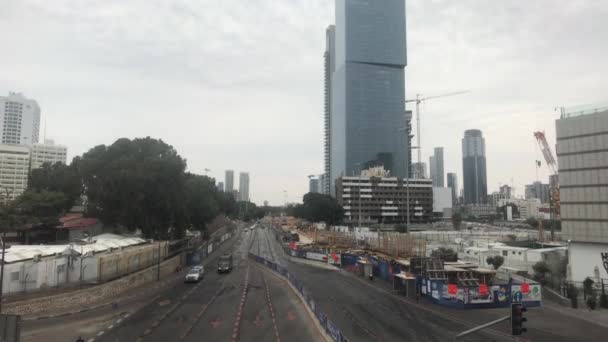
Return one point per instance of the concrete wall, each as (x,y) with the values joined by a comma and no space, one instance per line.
(588,260)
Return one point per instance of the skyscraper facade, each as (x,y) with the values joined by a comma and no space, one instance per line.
(244,186)
(220,186)
(19,120)
(368,88)
(474,167)
(436,167)
(229,181)
(329,59)
(453,185)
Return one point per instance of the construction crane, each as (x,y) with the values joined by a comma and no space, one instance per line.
(419,99)
(541,139)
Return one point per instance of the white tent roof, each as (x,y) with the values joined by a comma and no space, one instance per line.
(99,243)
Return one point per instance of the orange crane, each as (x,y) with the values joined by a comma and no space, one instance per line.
(554,204)
(419,99)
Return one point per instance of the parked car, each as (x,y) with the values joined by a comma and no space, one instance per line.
(195,274)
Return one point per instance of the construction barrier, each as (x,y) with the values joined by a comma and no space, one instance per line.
(330,328)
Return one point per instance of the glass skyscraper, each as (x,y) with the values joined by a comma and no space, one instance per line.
(474,175)
(367,116)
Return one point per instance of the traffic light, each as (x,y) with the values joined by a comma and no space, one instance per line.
(518,319)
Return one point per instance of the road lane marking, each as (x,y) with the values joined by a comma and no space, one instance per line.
(111,327)
(100,333)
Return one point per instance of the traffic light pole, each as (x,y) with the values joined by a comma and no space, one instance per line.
(483,326)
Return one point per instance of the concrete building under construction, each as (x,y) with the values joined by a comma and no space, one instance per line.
(375,197)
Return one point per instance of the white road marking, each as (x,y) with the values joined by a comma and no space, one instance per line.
(118,321)
(91,340)
(111,327)
(100,333)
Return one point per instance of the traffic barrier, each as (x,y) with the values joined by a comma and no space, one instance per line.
(330,328)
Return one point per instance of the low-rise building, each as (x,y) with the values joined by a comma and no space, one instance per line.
(47,153)
(377,198)
(478,210)
(515,258)
(528,208)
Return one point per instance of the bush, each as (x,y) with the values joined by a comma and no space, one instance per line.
(573,295)
(496,261)
(604,301)
(592,302)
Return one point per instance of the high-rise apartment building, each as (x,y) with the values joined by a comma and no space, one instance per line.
(229,181)
(582,156)
(453,185)
(538,190)
(14,170)
(19,120)
(330,64)
(47,153)
(474,173)
(244,186)
(436,167)
(368,89)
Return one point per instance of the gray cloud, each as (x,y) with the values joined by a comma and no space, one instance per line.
(235,84)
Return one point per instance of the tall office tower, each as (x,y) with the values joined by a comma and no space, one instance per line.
(229,181)
(368,88)
(244,186)
(453,185)
(474,167)
(314,184)
(419,170)
(436,167)
(329,58)
(19,120)
(220,186)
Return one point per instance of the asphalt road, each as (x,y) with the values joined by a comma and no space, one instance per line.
(367,310)
(248,304)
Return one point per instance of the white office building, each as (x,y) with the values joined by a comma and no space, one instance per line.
(19,120)
(47,153)
(14,170)
(582,155)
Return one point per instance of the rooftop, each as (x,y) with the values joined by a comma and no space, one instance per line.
(574,111)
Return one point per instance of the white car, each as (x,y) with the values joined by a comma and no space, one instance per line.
(195,274)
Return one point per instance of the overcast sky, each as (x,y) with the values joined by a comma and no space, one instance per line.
(235,84)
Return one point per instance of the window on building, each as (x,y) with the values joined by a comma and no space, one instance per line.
(505,253)
(14,276)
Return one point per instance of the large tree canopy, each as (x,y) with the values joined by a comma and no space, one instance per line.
(136,183)
(319,208)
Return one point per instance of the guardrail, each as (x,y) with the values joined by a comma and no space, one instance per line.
(330,328)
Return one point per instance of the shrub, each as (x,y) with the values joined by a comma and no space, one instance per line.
(591,302)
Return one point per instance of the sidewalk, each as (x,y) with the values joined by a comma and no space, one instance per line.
(598,316)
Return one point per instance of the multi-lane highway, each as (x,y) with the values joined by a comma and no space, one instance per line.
(248,304)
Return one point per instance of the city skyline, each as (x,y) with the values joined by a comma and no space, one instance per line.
(127,79)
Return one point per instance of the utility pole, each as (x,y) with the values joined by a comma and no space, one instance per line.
(158,267)
(4,229)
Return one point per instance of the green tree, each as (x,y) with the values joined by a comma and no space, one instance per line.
(540,271)
(496,261)
(40,207)
(456,220)
(57,177)
(201,201)
(445,254)
(136,183)
(319,208)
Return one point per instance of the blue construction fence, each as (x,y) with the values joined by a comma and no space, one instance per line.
(497,295)
(331,329)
